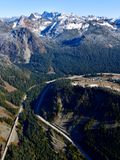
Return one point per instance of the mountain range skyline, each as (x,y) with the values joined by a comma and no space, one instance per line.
(108,8)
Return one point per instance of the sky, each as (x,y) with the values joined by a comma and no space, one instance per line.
(108,8)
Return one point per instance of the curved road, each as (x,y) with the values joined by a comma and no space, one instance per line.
(42,96)
(54,127)
(43,120)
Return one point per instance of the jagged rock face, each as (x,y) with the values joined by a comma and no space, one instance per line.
(20,44)
(65,42)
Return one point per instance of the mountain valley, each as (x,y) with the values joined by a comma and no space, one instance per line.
(59,87)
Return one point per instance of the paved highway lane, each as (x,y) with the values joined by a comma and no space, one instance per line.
(13,129)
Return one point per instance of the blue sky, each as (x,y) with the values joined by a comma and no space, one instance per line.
(108,8)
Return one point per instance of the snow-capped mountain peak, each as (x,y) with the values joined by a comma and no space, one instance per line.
(50,15)
(34,16)
(54,23)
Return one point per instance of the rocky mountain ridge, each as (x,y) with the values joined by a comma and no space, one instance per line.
(64,42)
(46,23)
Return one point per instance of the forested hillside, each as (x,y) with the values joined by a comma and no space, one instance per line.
(90,115)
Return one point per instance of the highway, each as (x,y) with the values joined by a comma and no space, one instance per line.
(55,128)
(46,122)
(92,85)
(62,133)
(13,128)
